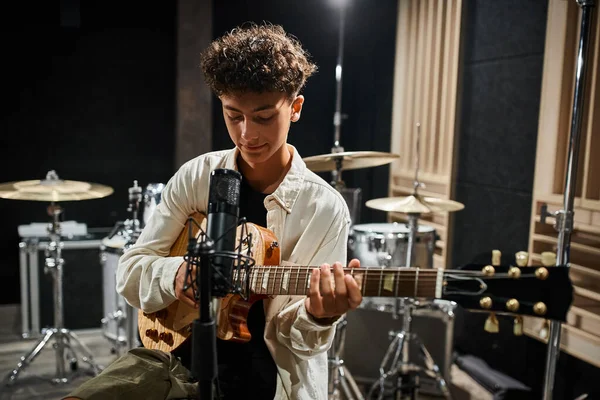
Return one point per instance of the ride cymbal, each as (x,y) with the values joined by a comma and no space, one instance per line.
(349,160)
(414,204)
(53,189)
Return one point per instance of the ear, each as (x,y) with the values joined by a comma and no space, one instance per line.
(297,108)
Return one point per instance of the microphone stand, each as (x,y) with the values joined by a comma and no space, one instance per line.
(204,332)
(210,284)
(564,217)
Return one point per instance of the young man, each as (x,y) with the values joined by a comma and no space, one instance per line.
(257,72)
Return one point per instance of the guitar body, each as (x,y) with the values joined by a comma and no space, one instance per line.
(168,328)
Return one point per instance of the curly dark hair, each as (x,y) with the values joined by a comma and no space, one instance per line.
(256,58)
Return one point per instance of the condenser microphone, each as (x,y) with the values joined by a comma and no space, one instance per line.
(222,219)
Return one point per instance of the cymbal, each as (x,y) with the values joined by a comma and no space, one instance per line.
(53,190)
(349,159)
(414,204)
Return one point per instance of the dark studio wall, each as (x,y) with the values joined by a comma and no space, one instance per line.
(92,90)
(501,85)
(367,79)
(88,90)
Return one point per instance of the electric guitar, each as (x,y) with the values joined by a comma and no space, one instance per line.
(533,291)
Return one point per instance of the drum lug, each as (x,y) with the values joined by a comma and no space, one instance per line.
(384,259)
(351,243)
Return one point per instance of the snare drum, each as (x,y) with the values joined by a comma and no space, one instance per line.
(385,245)
(119,324)
(152,196)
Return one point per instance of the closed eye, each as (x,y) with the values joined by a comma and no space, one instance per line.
(263,119)
(235,118)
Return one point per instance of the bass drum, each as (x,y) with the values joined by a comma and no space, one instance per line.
(119,324)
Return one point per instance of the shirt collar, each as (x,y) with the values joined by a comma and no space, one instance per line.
(288,190)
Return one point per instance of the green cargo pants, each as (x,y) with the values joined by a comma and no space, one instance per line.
(140,374)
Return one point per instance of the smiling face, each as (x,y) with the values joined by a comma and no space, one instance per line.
(258,124)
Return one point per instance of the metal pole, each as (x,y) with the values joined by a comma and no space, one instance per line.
(564,218)
(337,117)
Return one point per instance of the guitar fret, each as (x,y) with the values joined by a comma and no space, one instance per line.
(388,282)
(258,278)
(286,280)
(308,276)
(297,280)
(364,282)
(274,280)
(439,283)
(254,273)
(380,281)
(265,281)
(280,276)
(416,283)
(399,278)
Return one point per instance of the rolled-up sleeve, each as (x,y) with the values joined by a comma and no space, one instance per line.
(146,273)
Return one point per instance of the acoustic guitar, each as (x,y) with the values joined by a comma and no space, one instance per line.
(544,292)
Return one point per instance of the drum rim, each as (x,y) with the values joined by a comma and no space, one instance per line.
(430,229)
(112,250)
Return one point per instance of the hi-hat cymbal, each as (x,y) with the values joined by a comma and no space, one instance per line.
(414,204)
(349,160)
(53,189)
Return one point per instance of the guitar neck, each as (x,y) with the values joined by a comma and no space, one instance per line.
(374,282)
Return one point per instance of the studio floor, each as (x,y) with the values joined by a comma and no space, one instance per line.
(34,382)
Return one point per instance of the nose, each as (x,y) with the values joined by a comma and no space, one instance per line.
(249,133)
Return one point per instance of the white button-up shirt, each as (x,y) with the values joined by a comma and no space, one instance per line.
(310,220)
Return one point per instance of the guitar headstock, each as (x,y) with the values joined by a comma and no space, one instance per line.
(542,291)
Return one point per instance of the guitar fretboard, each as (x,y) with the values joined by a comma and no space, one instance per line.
(373,282)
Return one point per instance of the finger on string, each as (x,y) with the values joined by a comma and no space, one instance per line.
(327,293)
(354,294)
(341,293)
(354,263)
(338,275)
(326,282)
(316,305)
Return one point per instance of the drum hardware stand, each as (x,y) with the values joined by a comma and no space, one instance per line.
(131,225)
(407,382)
(62,336)
(135,198)
(132,233)
(564,217)
(339,375)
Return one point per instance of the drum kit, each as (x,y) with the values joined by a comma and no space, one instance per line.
(384,245)
(54,190)
(374,244)
(120,322)
(380,246)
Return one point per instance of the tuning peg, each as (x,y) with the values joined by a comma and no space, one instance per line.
(491,324)
(496,255)
(518,326)
(548,258)
(522,258)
